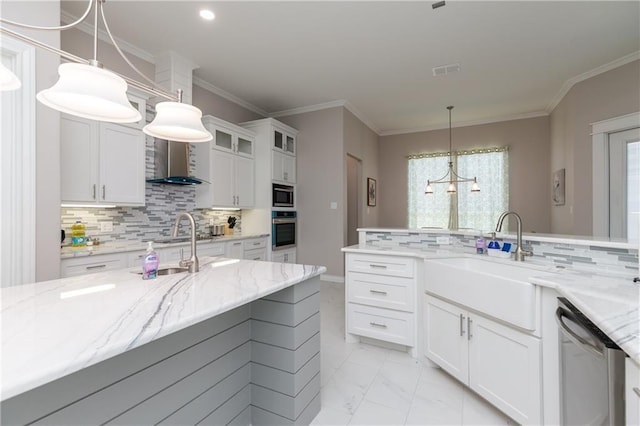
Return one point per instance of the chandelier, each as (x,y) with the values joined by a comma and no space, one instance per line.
(451,177)
(86,89)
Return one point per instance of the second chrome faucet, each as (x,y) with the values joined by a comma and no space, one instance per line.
(520,252)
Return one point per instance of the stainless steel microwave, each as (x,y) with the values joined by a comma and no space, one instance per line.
(282,195)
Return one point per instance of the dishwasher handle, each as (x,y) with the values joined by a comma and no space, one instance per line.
(579,341)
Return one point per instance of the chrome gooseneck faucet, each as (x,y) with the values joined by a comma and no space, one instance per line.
(520,253)
(192,263)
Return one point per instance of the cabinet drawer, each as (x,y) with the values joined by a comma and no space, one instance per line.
(91,264)
(256,254)
(254,244)
(382,291)
(383,324)
(210,250)
(382,265)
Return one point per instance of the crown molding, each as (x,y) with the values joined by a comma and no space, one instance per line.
(125,46)
(589,74)
(375,129)
(228,96)
(326,105)
(310,108)
(467,123)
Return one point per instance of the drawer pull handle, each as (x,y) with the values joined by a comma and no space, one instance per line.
(378,266)
(96,267)
(637,391)
(375,324)
(256,258)
(384,293)
(461,325)
(256,244)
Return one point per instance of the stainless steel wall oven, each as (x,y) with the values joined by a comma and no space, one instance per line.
(283,229)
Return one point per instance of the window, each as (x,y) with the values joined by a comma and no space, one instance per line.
(473,210)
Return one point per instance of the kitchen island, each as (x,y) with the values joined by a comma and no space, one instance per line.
(236,342)
(490,321)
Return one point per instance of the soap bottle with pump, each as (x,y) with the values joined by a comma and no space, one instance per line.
(150,263)
(480,245)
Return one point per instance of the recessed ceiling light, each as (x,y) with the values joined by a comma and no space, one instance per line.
(207,14)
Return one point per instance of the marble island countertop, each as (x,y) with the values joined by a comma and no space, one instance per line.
(611,302)
(129,246)
(54,328)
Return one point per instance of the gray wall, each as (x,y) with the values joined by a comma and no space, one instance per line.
(529,152)
(321,180)
(362,143)
(607,95)
(47,134)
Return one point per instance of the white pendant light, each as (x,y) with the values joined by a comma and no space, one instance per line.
(90,92)
(8,80)
(178,122)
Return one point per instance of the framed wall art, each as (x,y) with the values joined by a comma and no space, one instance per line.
(371,192)
(558,188)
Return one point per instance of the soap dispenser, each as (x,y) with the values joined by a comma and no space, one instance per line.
(150,263)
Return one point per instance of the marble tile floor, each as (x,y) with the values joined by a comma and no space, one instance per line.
(363,384)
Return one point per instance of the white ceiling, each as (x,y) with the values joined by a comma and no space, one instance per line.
(516,57)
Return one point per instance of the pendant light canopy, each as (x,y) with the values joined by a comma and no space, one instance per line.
(178,122)
(8,80)
(451,177)
(91,92)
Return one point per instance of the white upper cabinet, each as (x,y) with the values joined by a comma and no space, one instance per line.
(228,137)
(275,151)
(284,141)
(227,164)
(101,162)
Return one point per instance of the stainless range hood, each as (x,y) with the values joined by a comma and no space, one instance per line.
(171,164)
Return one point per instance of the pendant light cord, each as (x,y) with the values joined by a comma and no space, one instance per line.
(58,28)
(157,89)
(106,27)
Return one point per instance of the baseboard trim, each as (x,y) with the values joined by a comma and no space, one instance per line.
(332,278)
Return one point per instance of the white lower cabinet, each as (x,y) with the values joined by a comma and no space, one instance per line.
(234,250)
(632,392)
(284,256)
(381,293)
(91,264)
(500,363)
(255,249)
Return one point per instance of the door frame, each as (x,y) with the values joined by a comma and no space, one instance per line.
(600,131)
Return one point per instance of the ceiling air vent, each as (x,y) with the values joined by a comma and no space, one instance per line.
(445,69)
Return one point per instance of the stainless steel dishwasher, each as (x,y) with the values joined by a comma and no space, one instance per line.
(591,371)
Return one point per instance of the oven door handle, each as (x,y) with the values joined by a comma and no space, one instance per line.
(579,341)
(280,221)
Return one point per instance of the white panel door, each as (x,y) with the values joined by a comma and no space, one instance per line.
(446,337)
(122,165)
(289,168)
(222,175)
(504,368)
(78,159)
(245,182)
